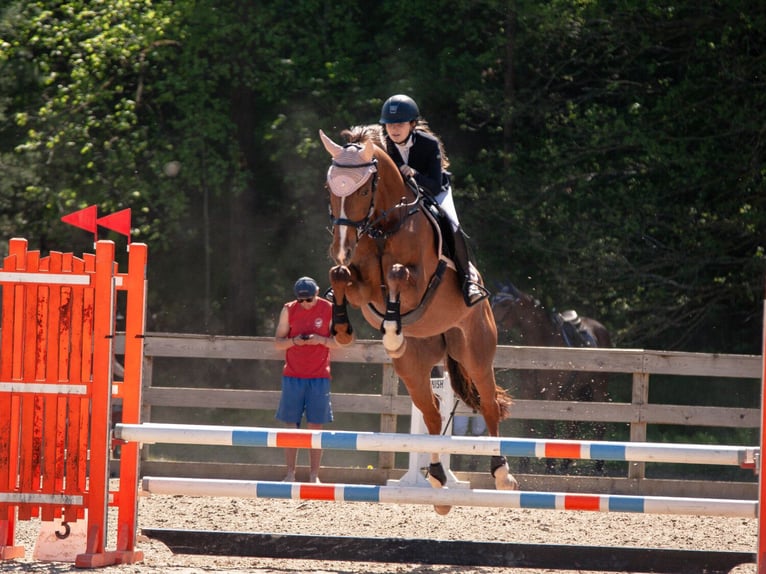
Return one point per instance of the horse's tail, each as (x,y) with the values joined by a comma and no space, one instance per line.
(466,390)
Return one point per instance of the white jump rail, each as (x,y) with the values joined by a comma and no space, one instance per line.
(449,497)
(152,433)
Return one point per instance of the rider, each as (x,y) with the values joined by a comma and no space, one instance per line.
(419,154)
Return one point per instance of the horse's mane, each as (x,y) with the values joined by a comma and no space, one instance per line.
(362,134)
(377,134)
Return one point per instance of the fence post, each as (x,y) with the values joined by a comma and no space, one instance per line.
(135,322)
(386,460)
(639,398)
(10,368)
(146,407)
(95,554)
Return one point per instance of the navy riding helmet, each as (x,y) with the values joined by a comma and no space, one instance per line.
(399,109)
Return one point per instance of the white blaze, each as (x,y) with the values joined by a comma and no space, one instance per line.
(340,256)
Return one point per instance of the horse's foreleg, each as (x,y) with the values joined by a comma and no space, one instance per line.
(340,276)
(341,326)
(393,339)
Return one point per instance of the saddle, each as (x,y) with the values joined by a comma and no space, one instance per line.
(572,330)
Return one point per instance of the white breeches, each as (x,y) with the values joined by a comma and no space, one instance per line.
(444,199)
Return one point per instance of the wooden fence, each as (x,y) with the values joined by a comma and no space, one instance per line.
(390,404)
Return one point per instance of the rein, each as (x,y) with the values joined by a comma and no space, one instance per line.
(360,224)
(407,209)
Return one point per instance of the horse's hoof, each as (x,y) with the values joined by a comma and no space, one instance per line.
(395,345)
(343,338)
(437,478)
(442,510)
(504,480)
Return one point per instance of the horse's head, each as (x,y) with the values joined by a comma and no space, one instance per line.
(515,312)
(352,180)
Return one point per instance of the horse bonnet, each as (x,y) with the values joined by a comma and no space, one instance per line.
(347,174)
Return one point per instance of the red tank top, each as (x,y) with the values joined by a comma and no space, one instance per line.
(308,361)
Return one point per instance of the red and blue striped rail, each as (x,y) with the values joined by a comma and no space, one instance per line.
(399,442)
(449,497)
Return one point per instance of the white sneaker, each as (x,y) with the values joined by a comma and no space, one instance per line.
(290,477)
(314,479)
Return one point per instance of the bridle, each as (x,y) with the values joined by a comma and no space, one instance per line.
(361,225)
(367,225)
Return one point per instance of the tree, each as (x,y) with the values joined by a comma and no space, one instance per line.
(85,71)
(607,156)
(623,180)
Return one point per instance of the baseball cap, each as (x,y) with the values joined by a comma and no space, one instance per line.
(305,288)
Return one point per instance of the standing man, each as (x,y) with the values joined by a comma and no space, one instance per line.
(304,334)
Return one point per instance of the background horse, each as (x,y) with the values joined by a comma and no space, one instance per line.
(386,246)
(522,320)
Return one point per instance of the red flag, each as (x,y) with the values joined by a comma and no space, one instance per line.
(84,219)
(119,222)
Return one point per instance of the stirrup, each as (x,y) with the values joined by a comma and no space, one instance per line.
(474,293)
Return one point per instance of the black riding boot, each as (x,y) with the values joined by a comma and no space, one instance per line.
(473,291)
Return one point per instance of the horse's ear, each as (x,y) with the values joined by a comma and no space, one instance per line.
(332,148)
(369,151)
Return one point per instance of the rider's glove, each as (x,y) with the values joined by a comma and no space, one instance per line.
(407,171)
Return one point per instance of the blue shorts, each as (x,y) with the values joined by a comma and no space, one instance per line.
(309,396)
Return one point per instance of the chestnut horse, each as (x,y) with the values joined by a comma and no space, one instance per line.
(388,263)
(522,320)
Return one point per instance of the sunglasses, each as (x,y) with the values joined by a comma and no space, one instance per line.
(305,300)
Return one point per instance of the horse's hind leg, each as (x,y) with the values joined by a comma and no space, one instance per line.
(491,409)
(471,371)
(414,368)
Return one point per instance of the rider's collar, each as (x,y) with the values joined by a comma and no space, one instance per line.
(407,144)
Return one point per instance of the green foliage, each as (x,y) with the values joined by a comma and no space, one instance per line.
(606,155)
(84,68)
(631,160)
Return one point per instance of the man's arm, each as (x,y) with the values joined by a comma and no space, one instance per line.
(281,339)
